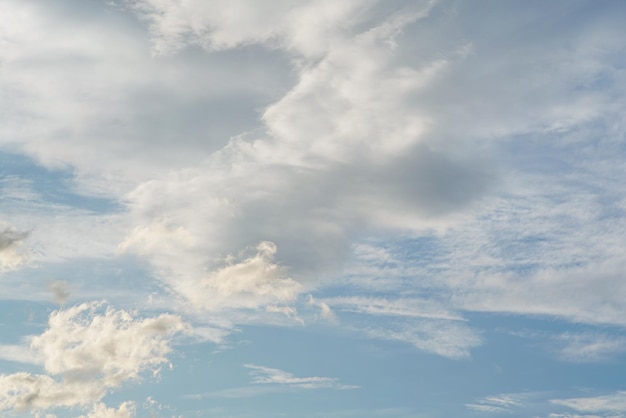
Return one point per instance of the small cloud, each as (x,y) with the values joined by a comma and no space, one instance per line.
(10,241)
(251,282)
(325,311)
(267,375)
(60,291)
(498,404)
(288,311)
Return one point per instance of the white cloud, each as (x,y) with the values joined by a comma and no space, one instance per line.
(18,353)
(444,338)
(504,403)
(87,351)
(614,403)
(307,28)
(100,410)
(412,308)
(325,311)
(589,346)
(343,154)
(250,282)
(267,375)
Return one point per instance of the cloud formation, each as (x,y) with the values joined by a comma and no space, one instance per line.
(614,404)
(87,351)
(267,375)
(10,241)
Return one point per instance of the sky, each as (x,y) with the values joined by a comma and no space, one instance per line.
(322,208)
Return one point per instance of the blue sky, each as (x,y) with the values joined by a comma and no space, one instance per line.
(356,208)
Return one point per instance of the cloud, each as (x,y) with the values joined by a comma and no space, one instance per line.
(18,353)
(339,128)
(60,291)
(10,240)
(248,282)
(100,410)
(614,403)
(268,380)
(444,338)
(590,293)
(504,403)
(306,28)
(589,346)
(343,154)
(325,310)
(411,308)
(266,375)
(87,351)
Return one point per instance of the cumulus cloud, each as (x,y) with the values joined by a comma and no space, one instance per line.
(100,410)
(87,351)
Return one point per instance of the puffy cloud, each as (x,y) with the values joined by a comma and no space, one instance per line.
(249,283)
(100,410)
(87,351)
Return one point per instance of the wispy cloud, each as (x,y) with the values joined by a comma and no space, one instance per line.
(18,353)
(589,346)
(614,403)
(266,380)
(504,403)
(267,375)
(407,307)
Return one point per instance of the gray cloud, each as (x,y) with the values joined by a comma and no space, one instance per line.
(10,241)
